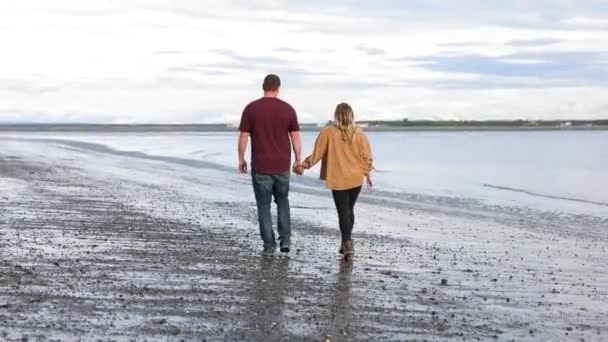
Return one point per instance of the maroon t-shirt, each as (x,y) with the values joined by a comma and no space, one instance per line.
(269,121)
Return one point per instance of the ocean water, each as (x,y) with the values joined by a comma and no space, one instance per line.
(549,170)
(560,172)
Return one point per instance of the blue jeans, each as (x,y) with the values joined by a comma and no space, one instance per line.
(265,188)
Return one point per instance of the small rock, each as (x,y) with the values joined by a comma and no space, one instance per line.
(444,281)
(159,321)
(175,331)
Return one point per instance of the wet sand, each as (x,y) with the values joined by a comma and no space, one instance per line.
(110,246)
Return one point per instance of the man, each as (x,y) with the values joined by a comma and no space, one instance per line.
(271,123)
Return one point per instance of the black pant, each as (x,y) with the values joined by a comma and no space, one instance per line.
(345,203)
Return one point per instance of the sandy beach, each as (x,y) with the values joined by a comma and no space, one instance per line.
(102,244)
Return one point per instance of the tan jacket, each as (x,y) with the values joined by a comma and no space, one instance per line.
(345,164)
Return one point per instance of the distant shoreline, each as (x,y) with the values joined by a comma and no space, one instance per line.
(482,129)
(154,128)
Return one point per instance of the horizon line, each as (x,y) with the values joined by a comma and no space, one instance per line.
(30,123)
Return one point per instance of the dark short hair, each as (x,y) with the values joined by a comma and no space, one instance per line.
(271,82)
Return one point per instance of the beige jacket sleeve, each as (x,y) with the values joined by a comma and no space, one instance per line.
(366,154)
(319,152)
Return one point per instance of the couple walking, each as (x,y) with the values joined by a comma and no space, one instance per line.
(344,150)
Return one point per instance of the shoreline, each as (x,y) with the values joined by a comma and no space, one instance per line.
(205,128)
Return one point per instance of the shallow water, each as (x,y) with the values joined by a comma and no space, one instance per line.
(549,171)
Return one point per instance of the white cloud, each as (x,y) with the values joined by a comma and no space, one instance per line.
(202,61)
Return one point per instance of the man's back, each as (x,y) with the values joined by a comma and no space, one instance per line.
(273,126)
(269,121)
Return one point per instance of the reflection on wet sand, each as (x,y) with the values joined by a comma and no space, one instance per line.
(270,286)
(342,317)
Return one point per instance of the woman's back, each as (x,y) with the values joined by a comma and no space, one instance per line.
(345,162)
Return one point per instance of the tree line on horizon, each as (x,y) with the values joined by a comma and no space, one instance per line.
(484,123)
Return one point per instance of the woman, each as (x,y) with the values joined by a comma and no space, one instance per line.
(347,164)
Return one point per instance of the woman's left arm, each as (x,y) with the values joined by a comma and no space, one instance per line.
(319,151)
(366,155)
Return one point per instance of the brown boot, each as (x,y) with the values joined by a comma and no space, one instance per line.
(349,247)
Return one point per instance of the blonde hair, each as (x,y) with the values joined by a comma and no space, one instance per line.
(344,120)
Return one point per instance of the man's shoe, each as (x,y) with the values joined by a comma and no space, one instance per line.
(341,250)
(268,251)
(285,248)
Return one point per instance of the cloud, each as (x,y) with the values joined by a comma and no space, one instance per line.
(534,42)
(160,61)
(463,44)
(100,11)
(288,50)
(602,110)
(236,58)
(15,115)
(27,86)
(587,22)
(583,67)
(171,52)
(371,51)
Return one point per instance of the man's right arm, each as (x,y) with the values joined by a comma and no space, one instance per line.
(243,140)
(296,139)
(244,129)
(296,142)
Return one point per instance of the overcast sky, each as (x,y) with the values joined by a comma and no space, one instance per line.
(203,61)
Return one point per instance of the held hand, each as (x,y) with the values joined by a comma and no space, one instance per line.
(298,169)
(243,166)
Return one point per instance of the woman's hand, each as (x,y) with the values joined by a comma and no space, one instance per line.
(369,181)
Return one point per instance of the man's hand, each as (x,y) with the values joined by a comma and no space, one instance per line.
(298,169)
(242,147)
(242,166)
